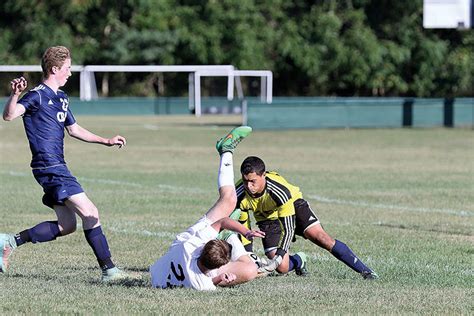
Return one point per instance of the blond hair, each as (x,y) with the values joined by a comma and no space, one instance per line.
(54,57)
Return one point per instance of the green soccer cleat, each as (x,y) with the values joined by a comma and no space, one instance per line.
(225,234)
(369,275)
(115,275)
(7,245)
(302,271)
(231,140)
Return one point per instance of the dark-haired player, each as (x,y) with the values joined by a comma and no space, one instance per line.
(281,212)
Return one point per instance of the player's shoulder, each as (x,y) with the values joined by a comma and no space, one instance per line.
(40,89)
(62,93)
(275,176)
(277,188)
(36,91)
(32,98)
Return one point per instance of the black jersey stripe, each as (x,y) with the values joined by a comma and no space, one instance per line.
(278,192)
(240,191)
(275,194)
(281,188)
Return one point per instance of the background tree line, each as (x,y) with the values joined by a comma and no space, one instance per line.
(314,48)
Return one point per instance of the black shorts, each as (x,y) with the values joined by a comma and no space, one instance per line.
(305,217)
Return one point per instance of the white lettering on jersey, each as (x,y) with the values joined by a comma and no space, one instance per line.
(62,115)
(65,103)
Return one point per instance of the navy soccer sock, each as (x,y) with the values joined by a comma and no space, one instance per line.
(345,254)
(43,232)
(96,239)
(295,262)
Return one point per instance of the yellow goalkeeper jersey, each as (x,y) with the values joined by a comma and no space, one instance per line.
(275,202)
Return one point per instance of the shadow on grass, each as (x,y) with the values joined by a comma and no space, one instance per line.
(125,283)
(139,278)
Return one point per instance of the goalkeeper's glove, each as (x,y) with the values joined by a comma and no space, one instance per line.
(270,265)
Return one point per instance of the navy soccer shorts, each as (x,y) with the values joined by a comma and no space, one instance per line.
(58,184)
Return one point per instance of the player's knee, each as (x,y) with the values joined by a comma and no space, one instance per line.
(282,269)
(91,212)
(230,199)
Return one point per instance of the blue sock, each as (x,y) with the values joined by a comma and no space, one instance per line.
(345,254)
(96,239)
(295,262)
(43,232)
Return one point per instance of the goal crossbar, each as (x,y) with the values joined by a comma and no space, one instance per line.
(88,87)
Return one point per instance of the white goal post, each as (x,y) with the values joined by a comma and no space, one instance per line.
(88,87)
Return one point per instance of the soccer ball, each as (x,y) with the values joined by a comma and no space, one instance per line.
(264,265)
(256,259)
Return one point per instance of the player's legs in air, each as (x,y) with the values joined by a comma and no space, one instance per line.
(225,181)
(241,265)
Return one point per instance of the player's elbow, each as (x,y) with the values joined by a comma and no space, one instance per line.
(8,117)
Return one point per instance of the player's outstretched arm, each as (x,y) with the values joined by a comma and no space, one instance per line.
(224,279)
(230,224)
(12,109)
(79,132)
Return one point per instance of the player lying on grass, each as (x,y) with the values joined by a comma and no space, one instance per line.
(196,259)
(46,113)
(281,212)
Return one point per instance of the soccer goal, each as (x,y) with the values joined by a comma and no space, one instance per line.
(88,86)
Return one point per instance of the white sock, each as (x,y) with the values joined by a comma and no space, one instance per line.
(226,170)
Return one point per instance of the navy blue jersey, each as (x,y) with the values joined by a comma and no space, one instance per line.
(46,115)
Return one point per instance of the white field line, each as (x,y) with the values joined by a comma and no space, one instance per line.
(318,198)
(167,187)
(141,232)
(323,199)
(151,127)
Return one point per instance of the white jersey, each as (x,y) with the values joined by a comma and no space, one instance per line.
(178,267)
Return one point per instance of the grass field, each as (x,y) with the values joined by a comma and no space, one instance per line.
(402,199)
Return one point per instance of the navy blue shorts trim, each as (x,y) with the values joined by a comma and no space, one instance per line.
(58,184)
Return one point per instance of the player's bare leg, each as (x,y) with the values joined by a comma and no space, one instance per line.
(66,220)
(85,209)
(225,181)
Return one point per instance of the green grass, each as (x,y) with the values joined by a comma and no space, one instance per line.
(402,199)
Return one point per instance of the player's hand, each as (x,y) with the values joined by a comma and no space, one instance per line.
(18,85)
(118,140)
(227,278)
(251,234)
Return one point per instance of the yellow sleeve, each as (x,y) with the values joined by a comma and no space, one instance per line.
(286,209)
(244,220)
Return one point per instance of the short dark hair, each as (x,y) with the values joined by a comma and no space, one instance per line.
(252,164)
(215,254)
